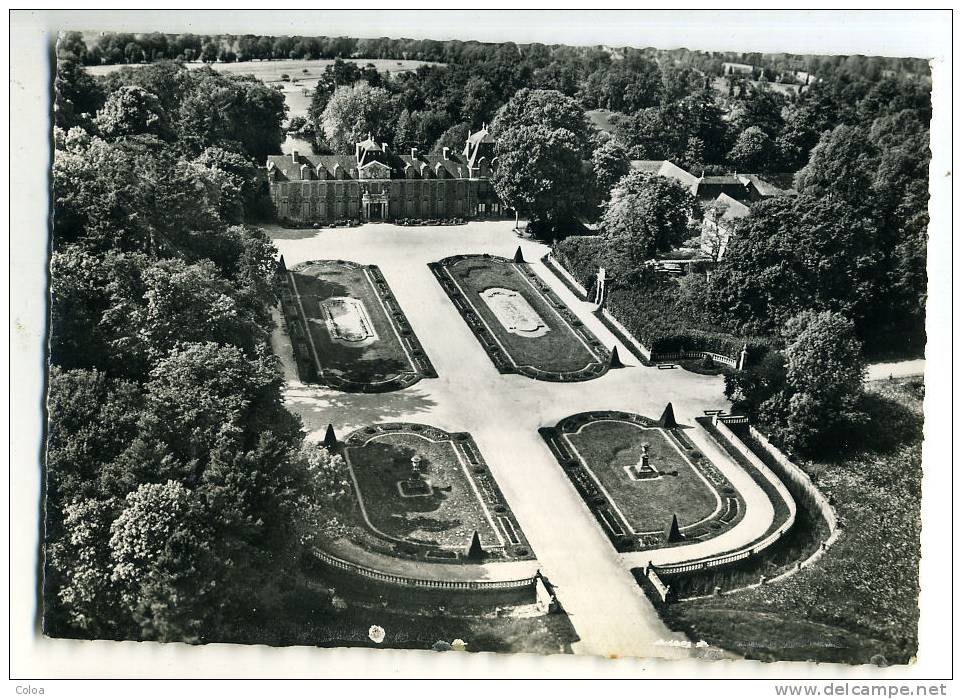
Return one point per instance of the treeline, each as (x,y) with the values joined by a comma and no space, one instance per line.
(179,500)
(112,48)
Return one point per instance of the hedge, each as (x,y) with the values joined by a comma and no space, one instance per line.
(650,310)
(580,255)
(721,343)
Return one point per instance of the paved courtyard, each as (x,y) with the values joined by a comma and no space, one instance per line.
(503,413)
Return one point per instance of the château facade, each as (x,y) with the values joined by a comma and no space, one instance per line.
(376,184)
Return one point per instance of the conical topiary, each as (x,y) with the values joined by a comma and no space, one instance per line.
(281,265)
(475,552)
(330,439)
(518,256)
(614,361)
(673,533)
(668,417)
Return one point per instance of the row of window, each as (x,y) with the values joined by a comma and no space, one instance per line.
(314,210)
(314,189)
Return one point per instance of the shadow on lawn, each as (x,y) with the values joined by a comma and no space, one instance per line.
(319,406)
(888,425)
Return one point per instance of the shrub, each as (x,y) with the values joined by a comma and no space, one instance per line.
(581,255)
(655,308)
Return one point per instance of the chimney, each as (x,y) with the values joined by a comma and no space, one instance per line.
(384,147)
(414,154)
(294,156)
(446,152)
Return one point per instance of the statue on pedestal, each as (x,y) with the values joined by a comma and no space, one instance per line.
(601,288)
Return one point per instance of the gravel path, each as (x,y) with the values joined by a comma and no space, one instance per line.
(503,412)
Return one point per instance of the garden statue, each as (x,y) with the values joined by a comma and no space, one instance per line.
(743,357)
(643,466)
(416,465)
(601,288)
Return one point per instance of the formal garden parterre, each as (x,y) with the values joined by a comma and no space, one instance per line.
(645,482)
(347,329)
(424,494)
(524,327)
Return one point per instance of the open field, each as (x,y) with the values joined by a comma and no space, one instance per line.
(349,332)
(271,71)
(433,508)
(523,326)
(875,487)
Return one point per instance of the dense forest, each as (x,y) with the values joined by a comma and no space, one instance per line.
(179,497)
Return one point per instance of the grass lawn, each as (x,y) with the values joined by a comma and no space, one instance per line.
(563,350)
(433,513)
(393,359)
(595,449)
(863,594)
(307,619)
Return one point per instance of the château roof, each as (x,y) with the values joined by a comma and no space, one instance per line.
(733,208)
(453,167)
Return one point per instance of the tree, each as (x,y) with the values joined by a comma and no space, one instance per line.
(231,182)
(157,549)
(610,163)
(208,53)
(326,490)
(132,111)
(454,138)
(315,111)
(77,96)
(205,396)
(354,112)
(753,151)
(647,214)
(797,138)
(541,140)
(793,254)
(71,45)
(479,101)
(824,374)
(420,128)
(840,163)
(181,303)
(762,107)
(237,112)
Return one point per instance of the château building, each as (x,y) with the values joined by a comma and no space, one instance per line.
(376,184)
